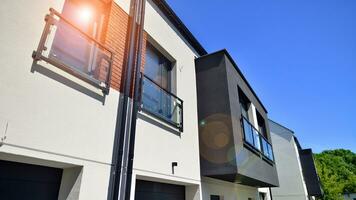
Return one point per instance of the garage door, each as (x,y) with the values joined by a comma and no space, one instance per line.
(20,181)
(146,190)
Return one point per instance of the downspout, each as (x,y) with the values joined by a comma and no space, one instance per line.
(121,173)
(270,193)
(136,97)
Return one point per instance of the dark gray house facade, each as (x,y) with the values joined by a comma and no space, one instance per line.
(234,136)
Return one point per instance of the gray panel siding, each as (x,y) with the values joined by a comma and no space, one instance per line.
(218,106)
(310,174)
(214,116)
(248,163)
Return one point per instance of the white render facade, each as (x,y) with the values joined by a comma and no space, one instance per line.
(50,118)
(48,123)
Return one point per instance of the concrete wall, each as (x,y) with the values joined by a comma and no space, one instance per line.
(292,185)
(227,190)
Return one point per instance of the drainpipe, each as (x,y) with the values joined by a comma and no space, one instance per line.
(136,98)
(121,170)
(270,193)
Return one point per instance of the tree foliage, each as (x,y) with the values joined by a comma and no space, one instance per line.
(337,171)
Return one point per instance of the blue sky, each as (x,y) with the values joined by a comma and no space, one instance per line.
(298,55)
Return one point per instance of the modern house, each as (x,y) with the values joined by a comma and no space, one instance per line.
(235,142)
(62,84)
(295,166)
(59,104)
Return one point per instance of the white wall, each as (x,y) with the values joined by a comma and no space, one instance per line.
(66,127)
(47,119)
(291,181)
(227,190)
(157,148)
(266,192)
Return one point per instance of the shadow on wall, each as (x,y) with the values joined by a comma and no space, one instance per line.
(158,124)
(65,81)
(70,184)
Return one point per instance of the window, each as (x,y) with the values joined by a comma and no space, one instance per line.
(262,196)
(261,124)
(158,67)
(244,104)
(72,48)
(215,197)
(157,90)
(71,41)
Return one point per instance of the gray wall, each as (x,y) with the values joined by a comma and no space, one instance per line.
(310,174)
(223,153)
(292,185)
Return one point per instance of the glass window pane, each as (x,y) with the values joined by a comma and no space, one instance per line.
(160,103)
(256,137)
(157,67)
(248,132)
(270,152)
(73,48)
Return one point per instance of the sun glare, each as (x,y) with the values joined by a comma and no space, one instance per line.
(85,14)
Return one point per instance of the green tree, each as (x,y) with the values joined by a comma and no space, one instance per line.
(337,171)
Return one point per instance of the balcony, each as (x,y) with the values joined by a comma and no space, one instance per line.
(66,46)
(161,103)
(256,140)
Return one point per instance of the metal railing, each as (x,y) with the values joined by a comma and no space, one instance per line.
(69,48)
(161,103)
(255,139)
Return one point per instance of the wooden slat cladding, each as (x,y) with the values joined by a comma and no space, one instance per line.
(116,36)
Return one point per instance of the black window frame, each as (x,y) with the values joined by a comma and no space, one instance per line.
(171,85)
(244,103)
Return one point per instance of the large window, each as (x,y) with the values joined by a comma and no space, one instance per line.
(261,124)
(244,104)
(72,41)
(75,49)
(157,94)
(158,67)
(254,137)
(215,197)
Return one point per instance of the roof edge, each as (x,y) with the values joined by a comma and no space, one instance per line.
(224,51)
(182,28)
(281,126)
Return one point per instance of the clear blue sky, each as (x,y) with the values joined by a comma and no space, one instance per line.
(298,55)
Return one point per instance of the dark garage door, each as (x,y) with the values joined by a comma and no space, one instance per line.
(146,190)
(20,181)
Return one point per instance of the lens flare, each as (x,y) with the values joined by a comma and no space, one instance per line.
(85,14)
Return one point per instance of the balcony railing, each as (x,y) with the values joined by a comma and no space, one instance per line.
(66,46)
(255,139)
(161,103)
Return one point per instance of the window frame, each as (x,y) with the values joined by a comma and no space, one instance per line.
(171,86)
(37,55)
